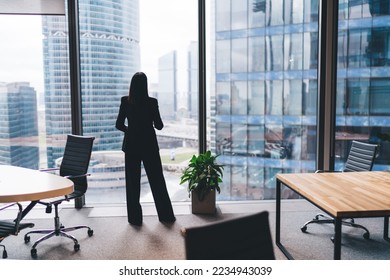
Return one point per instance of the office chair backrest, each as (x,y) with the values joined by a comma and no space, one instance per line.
(76,159)
(243,238)
(361,157)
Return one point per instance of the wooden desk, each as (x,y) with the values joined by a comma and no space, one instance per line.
(341,195)
(23,184)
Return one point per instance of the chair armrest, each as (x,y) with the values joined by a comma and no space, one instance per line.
(9,205)
(77,176)
(19,214)
(49,169)
(327,171)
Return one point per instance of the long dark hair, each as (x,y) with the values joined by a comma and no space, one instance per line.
(138,92)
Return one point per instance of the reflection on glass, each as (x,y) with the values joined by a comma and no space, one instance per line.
(256,54)
(275,53)
(239,55)
(239,98)
(239,14)
(274,97)
(265,122)
(362,87)
(293,97)
(256,95)
(293,11)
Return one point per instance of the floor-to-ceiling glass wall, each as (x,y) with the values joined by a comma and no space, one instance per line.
(117,39)
(363,75)
(261,87)
(263,92)
(25,104)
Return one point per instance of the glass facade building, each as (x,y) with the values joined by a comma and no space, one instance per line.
(266,88)
(167,86)
(18,125)
(363,75)
(109,55)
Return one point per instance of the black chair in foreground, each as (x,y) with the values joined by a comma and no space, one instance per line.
(74,166)
(13,227)
(360,158)
(242,238)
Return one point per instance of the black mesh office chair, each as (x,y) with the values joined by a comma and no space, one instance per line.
(360,158)
(242,238)
(8,227)
(74,166)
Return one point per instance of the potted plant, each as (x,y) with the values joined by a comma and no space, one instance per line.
(203,176)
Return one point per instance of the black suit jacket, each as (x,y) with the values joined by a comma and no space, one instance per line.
(140,136)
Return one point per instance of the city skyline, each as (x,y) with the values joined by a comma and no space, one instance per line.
(154,42)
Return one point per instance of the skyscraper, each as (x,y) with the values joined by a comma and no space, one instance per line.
(265,73)
(167,85)
(19,125)
(192,64)
(109,55)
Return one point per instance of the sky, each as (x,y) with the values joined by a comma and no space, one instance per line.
(162,30)
(21,49)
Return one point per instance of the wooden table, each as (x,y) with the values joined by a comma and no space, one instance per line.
(22,184)
(341,195)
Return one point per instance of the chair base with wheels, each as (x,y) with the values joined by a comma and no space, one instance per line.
(59,230)
(329,220)
(360,158)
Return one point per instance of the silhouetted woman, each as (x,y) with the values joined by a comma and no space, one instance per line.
(140,145)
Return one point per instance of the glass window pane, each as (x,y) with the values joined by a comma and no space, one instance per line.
(223,60)
(379,95)
(293,11)
(256,54)
(239,98)
(274,12)
(293,51)
(270,109)
(274,103)
(255,140)
(293,97)
(239,14)
(274,53)
(118,39)
(223,98)
(33,111)
(257,13)
(239,55)
(362,87)
(256,95)
(311,10)
(222,15)
(310,50)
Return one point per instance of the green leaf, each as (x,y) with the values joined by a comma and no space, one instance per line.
(203,174)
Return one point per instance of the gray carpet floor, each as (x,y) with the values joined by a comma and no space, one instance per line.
(115,239)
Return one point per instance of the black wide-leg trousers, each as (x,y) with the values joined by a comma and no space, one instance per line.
(154,172)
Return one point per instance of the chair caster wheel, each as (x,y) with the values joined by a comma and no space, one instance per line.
(26,239)
(304,228)
(366,235)
(90,232)
(332,239)
(34,254)
(76,247)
